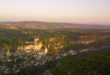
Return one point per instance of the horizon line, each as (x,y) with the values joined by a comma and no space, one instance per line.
(56,22)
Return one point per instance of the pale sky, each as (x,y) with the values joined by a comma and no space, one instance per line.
(75,11)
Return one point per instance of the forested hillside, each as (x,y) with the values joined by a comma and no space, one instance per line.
(95,63)
(54,51)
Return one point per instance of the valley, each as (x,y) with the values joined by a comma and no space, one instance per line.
(25,51)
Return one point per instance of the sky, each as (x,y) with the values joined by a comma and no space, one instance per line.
(73,11)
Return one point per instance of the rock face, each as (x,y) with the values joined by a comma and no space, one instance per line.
(33,46)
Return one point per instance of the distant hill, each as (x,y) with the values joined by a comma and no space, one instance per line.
(48,25)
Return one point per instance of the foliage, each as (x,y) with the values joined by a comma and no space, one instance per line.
(96,63)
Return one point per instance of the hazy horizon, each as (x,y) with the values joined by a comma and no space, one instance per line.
(68,11)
